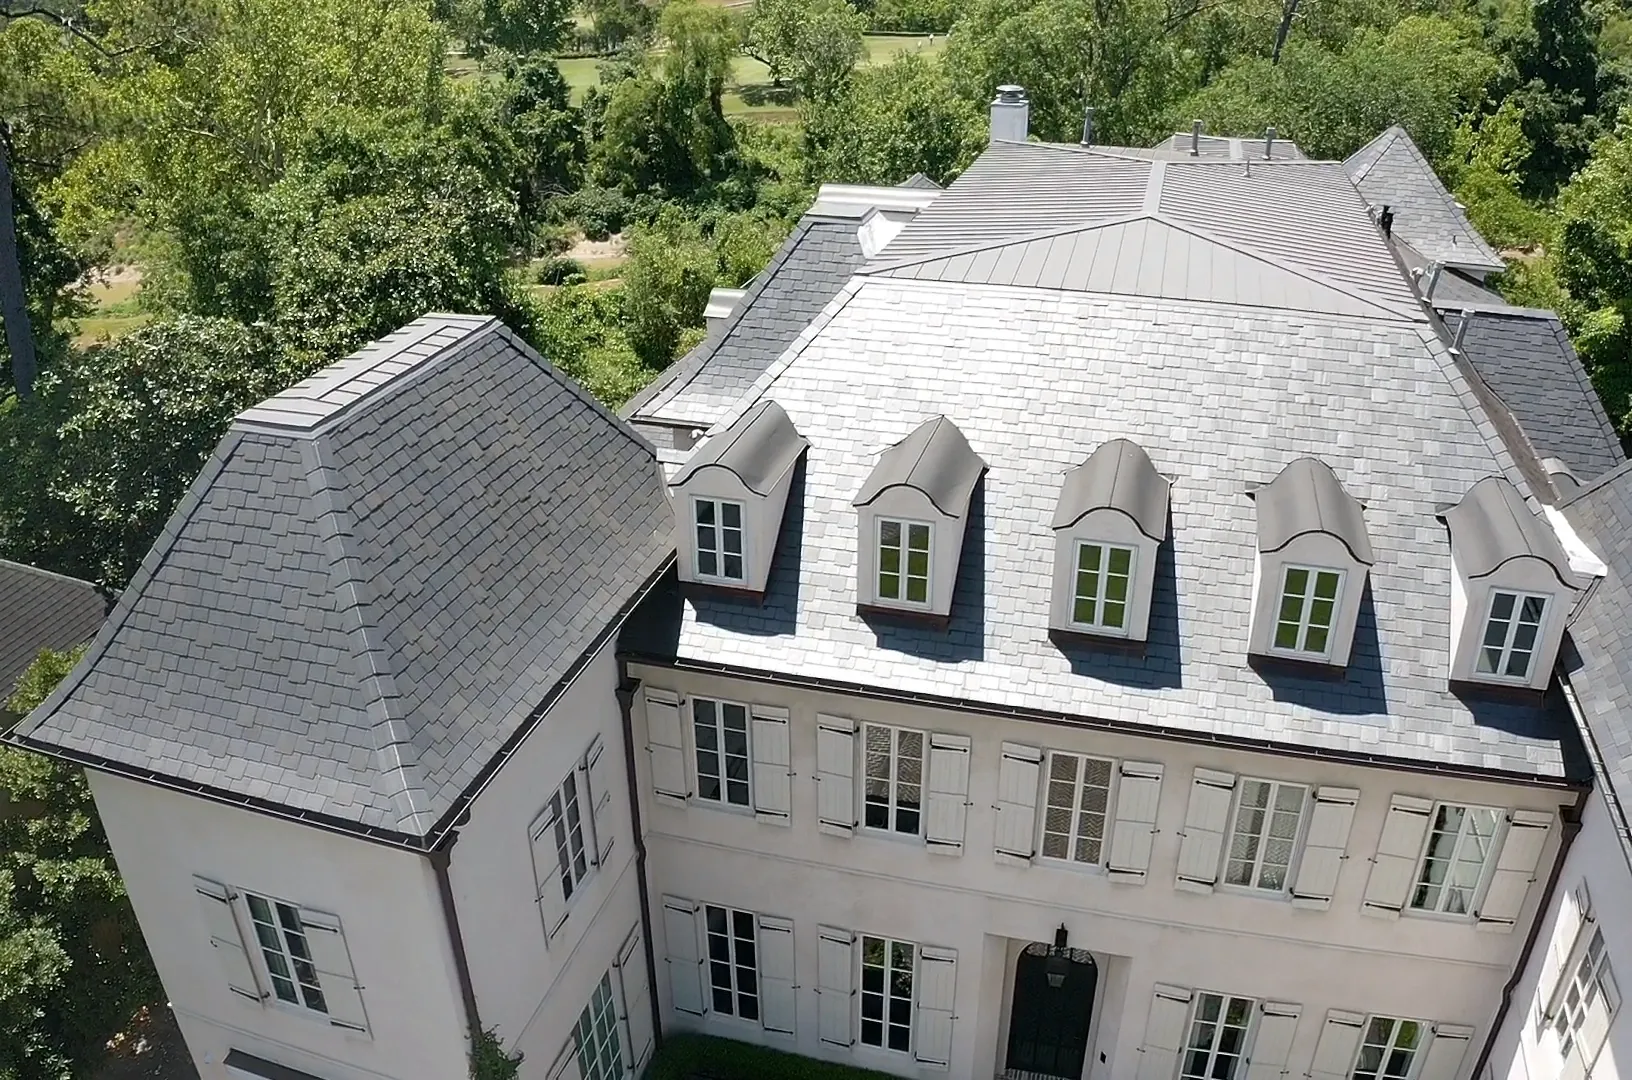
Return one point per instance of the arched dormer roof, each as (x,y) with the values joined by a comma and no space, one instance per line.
(936,460)
(1117,476)
(758,449)
(1307,497)
(1492,526)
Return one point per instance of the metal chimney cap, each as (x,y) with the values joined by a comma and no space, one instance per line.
(1010,94)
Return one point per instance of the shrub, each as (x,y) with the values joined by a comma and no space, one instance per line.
(599,211)
(561,270)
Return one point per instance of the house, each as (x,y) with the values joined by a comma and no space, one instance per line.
(41,610)
(1106,618)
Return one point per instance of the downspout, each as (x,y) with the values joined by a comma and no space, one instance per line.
(441,859)
(1570,816)
(627,685)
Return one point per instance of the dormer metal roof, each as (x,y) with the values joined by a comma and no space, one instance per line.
(758,449)
(1492,526)
(1117,476)
(935,459)
(1307,497)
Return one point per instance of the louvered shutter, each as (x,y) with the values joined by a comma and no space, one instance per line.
(1325,846)
(948,806)
(1017,773)
(1574,917)
(1398,851)
(836,775)
(1339,1044)
(600,800)
(1445,1053)
(937,989)
(1515,870)
(1205,821)
(1138,793)
(1272,1040)
(634,1002)
(566,1066)
(552,898)
(773,776)
(341,992)
(836,986)
(1164,1032)
(226,939)
(666,744)
(687,987)
(778,1004)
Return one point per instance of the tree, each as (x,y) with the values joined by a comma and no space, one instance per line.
(618,21)
(534,115)
(774,33)
(524,26)
(671,271)
(894,120)
(1593,262)
(1557,82)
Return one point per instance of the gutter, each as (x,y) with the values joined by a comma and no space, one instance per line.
(626,688)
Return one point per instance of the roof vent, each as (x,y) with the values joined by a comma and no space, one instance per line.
(1011,115)
(1088,126)
(1195,138)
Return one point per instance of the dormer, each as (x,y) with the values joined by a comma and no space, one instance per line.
(1313,557)
(1108,524)
(910,517)
(729,498)
(1512,589)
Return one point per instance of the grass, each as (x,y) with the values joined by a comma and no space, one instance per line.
(684,1057)
(115,312)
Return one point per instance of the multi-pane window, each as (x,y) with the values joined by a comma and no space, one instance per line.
(571,859)
(903,561)
(1459,847)
(282,938)
(1104,573)
(894,766)
(1388,1050)
(1510,634)
(1218,1037)
(887,969)
(600,1057)
(1308,601)
(1077,804)
(719,539)
(733,961)
(1590,1002)
(1266,828)
(721,736)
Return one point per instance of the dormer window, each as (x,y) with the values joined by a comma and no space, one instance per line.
(1309,598)
(1108,524)
(732,491)
(1512,630)
(1100,601)
(903,560)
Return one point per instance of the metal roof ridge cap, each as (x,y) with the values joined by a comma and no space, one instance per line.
(1009,241)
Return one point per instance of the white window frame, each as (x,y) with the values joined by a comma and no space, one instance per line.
(1189,1047)
(1101,580)
(1388,1047)
(1477,890)
(1513,621)
(732,963)
(1589,976)
(887,995)
(1263,835)
(1299,650)
(574,865)
(1073,836)
(893,807)
(292,950)
(597,1041)
(724,800)
(905,524)
(719,551)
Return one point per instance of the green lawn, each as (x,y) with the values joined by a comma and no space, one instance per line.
(684,1057)
(115,311)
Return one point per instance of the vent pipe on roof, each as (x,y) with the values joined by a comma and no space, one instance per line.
(1011,115)
(1385,221)
(1433,281)
(1461,330)
(1088,126)
(1195,138)
(1269,142)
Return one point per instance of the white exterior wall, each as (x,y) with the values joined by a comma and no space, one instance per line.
(386,901)
(1423,967)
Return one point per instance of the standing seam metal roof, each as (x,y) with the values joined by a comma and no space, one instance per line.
(1307,497)
(935,459)
(1119,476)
(1492,525)
(758,449)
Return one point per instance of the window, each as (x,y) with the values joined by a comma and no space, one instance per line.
(1266,828)
(895,779)
(1388,1050)
(572,861)
(719,539)
(1218,1037)
(903,561)
(288,961)
(721,729)
(887,969)
(1459,847)
(1101,597)
(600,1056)
(1077,805)
(1591,1000)
(1511,630)
(733,961)
(1308,601)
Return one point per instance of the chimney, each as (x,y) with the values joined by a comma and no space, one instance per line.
(1088,126)
(1269,143)
(1385,220)
(1011,115)
(1195,138)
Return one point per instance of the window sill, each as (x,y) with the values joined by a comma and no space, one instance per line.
(910,615)
(1315,667)
(724,807)
(915,839)
(1070,866)
(1513,693)
(1081,637)
(1283,896)
(720,590)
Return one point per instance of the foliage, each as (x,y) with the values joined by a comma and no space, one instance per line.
(683,1057)
(598,211)
(544,131)
(524,26)
(914,16)
(488,1059)
(1486,175)
(813,43)
(579,329)
(618,21)
(895,120)
(672,269)
(561,270)
(1593,262)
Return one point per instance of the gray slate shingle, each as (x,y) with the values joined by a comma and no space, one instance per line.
(41,610)
(1391,171)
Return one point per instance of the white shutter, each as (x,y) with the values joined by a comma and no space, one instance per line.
(665,742)
(600,801)
(634,1002)
(948,806)
(1398,851)
(836,986)
(226,939)
(341,991)
(552,899)
(1272,1040)
(937,989)
(1138,792)
(687,987)
(1574,915)
(1016,805)
(773,772)
(1325,847)
(1445,1053)
(1338,1046)
(836,775)
(778,1003)
(1164,1032)
(1205,821)
(565,1066)
(1515,869)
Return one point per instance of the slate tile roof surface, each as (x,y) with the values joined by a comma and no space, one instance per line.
(41,610)
(1391,171)
(378,578)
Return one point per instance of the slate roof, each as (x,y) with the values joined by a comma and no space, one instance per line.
(1119,476)
(1391,171)
(1307,497)
(41,610)
(382,577)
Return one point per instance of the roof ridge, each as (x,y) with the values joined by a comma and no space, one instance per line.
(29,568)
(573,387)
(992,245)
(1386,137)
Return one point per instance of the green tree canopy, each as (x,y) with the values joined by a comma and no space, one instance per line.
(1594,264)
(813,43)
(894,120)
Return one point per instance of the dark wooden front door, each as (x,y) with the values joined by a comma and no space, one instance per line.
(1048,1025)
